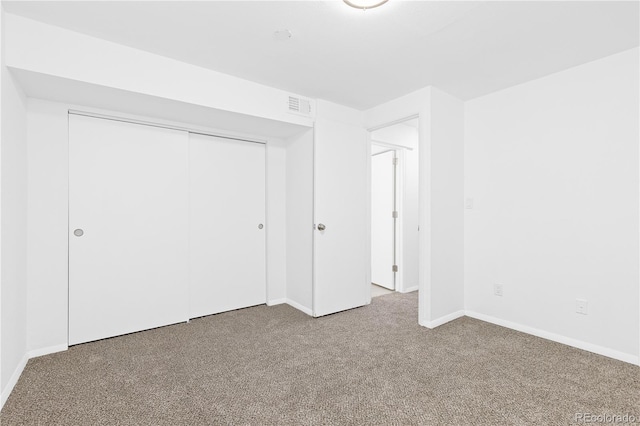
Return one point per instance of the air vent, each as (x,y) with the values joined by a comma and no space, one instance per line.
(299,106)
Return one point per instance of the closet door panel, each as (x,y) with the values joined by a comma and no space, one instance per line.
(227,219)
(128,239)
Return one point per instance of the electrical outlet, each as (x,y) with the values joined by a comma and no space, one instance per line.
(581,306)
(497,289)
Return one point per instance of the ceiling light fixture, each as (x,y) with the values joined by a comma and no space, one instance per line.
(365,4)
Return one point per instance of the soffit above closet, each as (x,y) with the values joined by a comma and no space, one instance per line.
(71,92)
(355,58)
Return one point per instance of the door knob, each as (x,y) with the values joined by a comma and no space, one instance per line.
(321,227)
(260,226)
(78,232)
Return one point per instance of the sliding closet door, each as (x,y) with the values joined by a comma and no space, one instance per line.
(227,218)
(127,228)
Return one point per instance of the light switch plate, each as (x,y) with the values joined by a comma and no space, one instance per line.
(468,203)
(497,289)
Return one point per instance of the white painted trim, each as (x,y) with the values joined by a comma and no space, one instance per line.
(424,211)
(154,123)
(299,307)
(48,350)
(390,145)
(195,128)
(410,289)
(13,380)
(367,271)
(276,301)
(23,363)
(442,320)
(392,123)
(314,289)
(399,192)
(590,347)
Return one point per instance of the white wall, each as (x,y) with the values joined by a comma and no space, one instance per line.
(552,166)
(276,222)
(2,396)
(447,209)
(410,218)
(406,136)
(56,52)
(48,216)
(48,228)
(13,230)
(299,214)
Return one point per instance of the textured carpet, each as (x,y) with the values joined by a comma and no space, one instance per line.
(277,366)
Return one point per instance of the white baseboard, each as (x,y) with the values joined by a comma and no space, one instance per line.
(277,301)
(4,395)
(299,307)
(600,350)
(410,289)
(442,320)
(46,351)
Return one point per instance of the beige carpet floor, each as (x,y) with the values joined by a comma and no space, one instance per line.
(277,366)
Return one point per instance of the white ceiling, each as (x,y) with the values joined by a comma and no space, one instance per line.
(355,58)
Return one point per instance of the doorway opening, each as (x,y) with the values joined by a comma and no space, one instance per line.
(394,208)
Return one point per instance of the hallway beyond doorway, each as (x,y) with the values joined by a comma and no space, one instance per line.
(377,290)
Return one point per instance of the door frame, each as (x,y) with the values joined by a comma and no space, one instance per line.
(424,281)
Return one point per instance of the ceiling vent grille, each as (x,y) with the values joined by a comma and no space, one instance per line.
(299,106)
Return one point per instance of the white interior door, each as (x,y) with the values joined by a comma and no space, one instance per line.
(340,207)
(382,221)
(127,228)
(227,217)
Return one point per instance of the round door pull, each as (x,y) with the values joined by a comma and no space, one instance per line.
(321,227)
(78,232)
(260,226)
